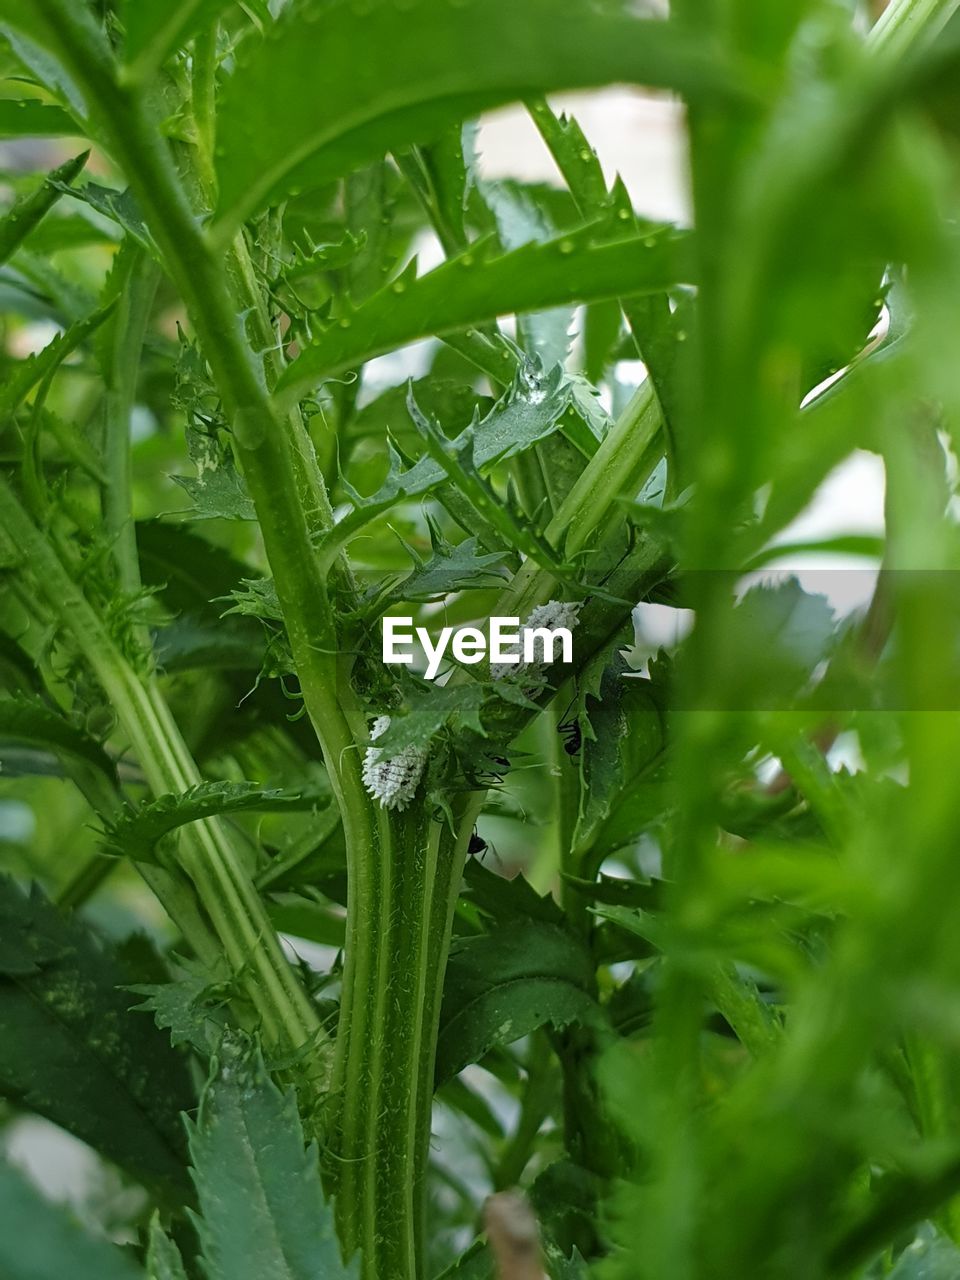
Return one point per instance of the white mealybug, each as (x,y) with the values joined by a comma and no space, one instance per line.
(555,615)
(393,780)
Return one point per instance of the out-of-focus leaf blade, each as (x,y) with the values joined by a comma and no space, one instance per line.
(71,1050)
(41,1241)
(397,75)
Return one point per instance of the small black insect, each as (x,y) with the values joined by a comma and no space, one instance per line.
(572,736)
(479,848)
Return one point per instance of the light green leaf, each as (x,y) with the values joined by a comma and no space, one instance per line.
(526,415)
(381,77)
(40,1241)
(430,708)
(157,28)
(136,833)
(163,1256)
(27,118)
(262,1211)
(483,283)
(218,490)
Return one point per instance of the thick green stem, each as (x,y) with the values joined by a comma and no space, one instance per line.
(387,1039)
(128,325)
(617,470)
(228,897)
(907,24)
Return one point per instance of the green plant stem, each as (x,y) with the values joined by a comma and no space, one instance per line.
(276,454)
(385,1066)
(617,470)
(906,24)
(128,327)
(538,1097)
(228,897)
(203,83)
(376,1204)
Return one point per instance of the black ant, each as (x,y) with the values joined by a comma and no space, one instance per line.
(479,848)
(572,736)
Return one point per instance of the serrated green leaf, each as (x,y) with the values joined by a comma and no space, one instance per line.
(262,1210)
(575,157)
(508,900)
(429,708)
(190,1008)
(29,372)
(218,490)
(137,832)
(396,76)
(528,413)
(31,722)
(451,568)
(29,211)
(504,985)
(580,266)
(42,1241)
(163,1256)
(622,741)
(71,1050)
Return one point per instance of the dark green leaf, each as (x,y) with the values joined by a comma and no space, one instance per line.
(508,900)
(261,1203)
(190,571)
(71,1050)
(506,984)
(31,722)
